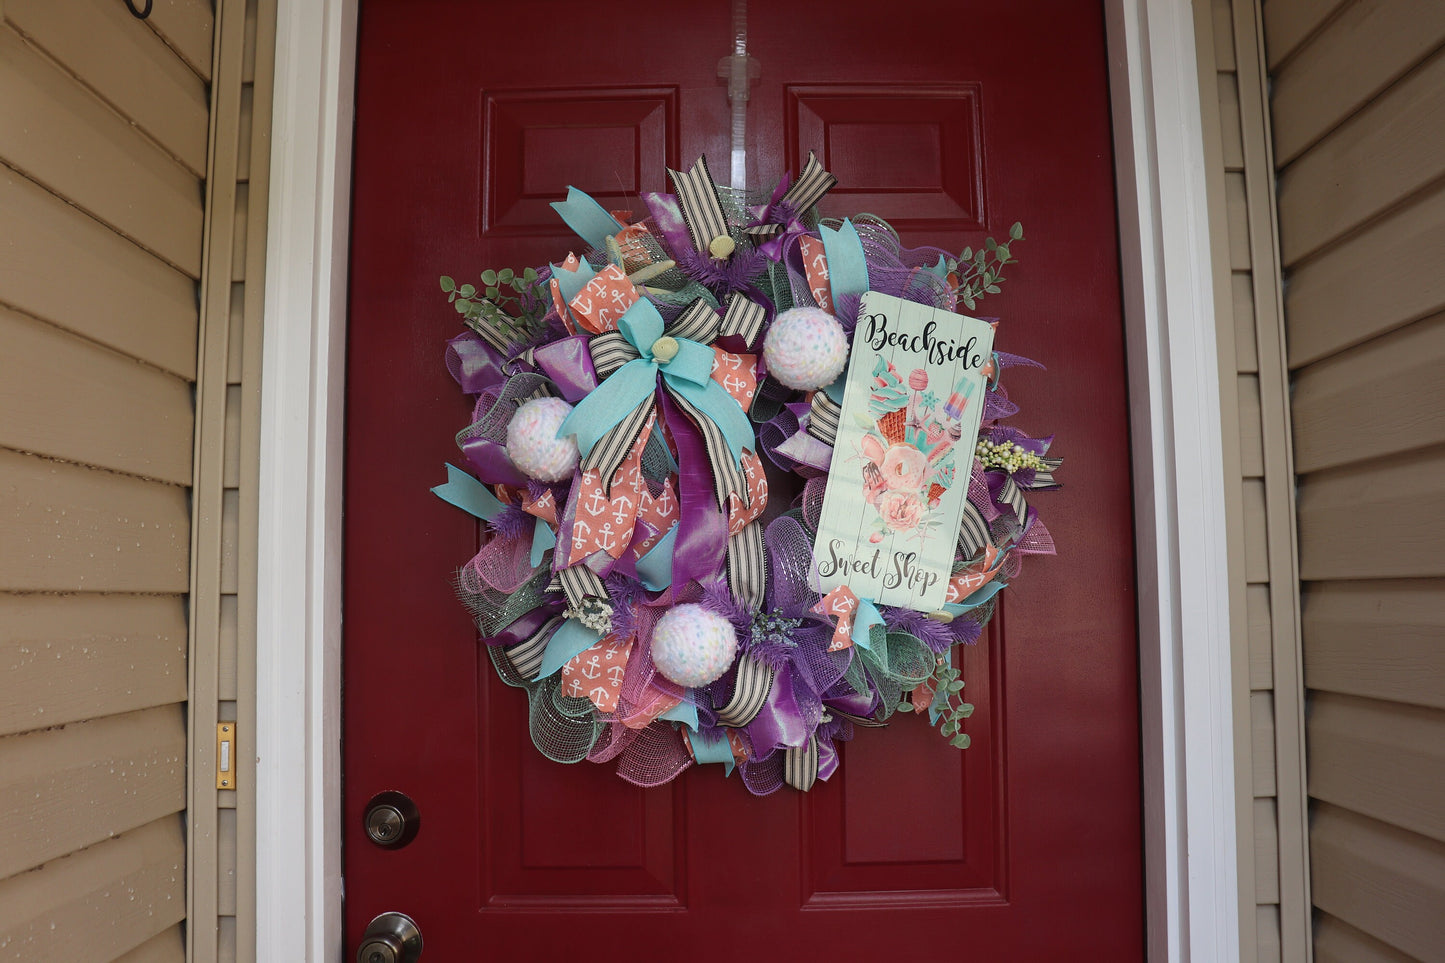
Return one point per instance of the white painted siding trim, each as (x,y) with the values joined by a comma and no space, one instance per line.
(298,626)
(1192,880)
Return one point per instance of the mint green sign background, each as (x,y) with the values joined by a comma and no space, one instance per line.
(912,404)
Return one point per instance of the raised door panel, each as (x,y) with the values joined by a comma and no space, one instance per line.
(940,837)
(613,143)
(930,177)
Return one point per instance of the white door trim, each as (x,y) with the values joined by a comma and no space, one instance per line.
(1190,833)
(298,624)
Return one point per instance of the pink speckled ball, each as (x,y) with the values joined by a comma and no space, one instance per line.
(805,348)
(918,379)
(532,441)
(692,645)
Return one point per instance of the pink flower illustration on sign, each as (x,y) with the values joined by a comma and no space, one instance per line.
(901,511)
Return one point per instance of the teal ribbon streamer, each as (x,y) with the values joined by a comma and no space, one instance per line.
(847,268)
(864,618)
(570,282)
(712,749)
(543,541)
(684,712)
(571,639)
(976,599)
(688,374)
(588,218)
(468,494)
(654,570)
(472,497)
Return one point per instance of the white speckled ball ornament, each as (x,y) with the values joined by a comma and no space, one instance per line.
(805,348)
(532,441)
(692,645)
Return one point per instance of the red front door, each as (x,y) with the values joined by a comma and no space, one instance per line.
(950,120)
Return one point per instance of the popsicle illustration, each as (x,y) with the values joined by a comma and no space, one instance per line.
(953,410)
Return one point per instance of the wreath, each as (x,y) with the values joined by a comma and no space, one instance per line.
(670,433)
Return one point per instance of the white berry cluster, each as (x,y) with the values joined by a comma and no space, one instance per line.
(1006,455)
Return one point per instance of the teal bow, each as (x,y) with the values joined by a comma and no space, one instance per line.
(688,374)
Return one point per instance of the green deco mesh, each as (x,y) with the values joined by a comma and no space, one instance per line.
(493,610)
(563,729)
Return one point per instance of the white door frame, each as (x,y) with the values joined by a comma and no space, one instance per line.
(1191,872)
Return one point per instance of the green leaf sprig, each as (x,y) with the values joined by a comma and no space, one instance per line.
(948,703)
(511,301)
(981,272)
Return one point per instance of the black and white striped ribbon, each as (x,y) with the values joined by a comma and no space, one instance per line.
(750,693)
(1045,476)
(610,351)
(747,570)
(806,191)
(579,582)
(526,656)
(727,473)
(701,210)
(743,318)
(800,765)
(611,450)
(1012,496)
(823,418)
(698,322)
(488,329)
(973,533)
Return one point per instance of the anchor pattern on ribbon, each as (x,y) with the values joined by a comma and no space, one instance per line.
(740,513)
(842,604)
(975,577)
(603,522)
(815,267)
(658,515)
(597,672)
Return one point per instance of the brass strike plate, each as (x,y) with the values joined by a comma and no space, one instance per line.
(225,755)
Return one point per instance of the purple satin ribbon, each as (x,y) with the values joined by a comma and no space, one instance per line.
(702,531)
(527,623)
(490,462)
(475,364)
(777,211)
(782,722)
(667,218)
(569,364)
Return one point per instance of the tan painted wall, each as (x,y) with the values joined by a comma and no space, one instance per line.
(1358,112)
(129,355)
(1269,777)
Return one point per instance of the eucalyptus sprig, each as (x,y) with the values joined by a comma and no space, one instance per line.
(948,705)
(981,272)
(503,290)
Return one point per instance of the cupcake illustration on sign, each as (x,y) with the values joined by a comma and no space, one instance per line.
(908,457)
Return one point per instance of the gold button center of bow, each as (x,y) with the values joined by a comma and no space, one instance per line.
(721,246)
(664,349)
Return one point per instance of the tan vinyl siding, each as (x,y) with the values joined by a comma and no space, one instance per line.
(1359,124)
(102,153)
(223,837)
(131,187)
(1269,777)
